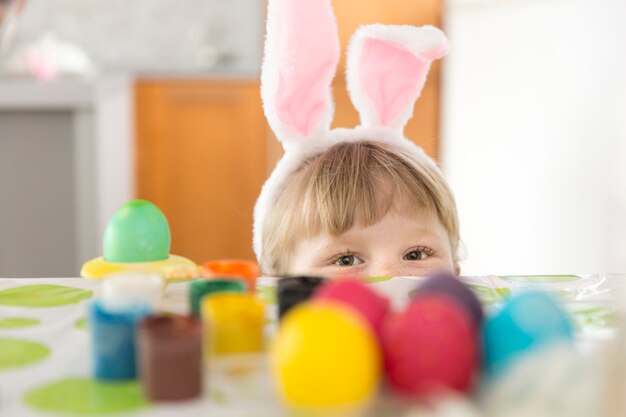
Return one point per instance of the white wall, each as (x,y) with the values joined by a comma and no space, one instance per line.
(534,134)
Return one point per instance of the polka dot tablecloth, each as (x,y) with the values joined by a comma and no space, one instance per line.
(45,345)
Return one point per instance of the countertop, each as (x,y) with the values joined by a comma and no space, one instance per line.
(18,93)
(23,92)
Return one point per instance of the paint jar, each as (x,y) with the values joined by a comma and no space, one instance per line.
(121,291)
(232,268)
(233,323)
(291,291)
(170,357)
(113,340)
(203,287)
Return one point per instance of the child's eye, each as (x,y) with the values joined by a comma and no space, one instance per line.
(348,260)
(417,254)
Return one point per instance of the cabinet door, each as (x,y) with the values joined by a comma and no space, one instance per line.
(201,157)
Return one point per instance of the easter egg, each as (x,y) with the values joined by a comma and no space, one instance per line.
(528,320)
(356,294)
(431,346)
(449,284)
(137,232)
(325,355)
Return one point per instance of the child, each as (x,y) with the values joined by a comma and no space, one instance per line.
(363,201)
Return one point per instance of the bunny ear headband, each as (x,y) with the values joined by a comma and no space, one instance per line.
(386,71)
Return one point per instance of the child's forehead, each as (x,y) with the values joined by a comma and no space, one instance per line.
(411,219)
(400,212)
(393,227)
(334,199)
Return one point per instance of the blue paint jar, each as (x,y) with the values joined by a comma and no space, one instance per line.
(113,340)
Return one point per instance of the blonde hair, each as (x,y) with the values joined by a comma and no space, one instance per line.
(352,184)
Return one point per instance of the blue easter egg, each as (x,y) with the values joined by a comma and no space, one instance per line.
(528,321)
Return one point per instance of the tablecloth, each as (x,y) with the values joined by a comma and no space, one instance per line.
(45,344)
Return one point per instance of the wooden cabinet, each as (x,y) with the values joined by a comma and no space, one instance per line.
(202,158)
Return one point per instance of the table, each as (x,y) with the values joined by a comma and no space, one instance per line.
(45,344)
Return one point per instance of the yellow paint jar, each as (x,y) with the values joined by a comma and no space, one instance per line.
(233,323)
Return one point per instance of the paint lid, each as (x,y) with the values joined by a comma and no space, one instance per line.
(122,291)
(203,287)
(293,290)
(232,268)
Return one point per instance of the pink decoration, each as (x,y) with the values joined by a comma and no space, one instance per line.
(40,66)
(431,347)
(308,53)
(391,76)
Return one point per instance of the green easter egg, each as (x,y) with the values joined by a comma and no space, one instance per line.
(137,232)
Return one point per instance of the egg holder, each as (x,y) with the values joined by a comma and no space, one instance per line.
(385,394)
(137,240)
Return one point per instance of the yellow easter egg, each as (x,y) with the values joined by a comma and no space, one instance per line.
(325,355)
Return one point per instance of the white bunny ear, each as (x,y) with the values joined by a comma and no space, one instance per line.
(300,61)
(387,69)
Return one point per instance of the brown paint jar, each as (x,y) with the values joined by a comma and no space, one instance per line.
(170,357)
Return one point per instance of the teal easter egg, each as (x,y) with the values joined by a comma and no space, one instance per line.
(137,232)
(527,322)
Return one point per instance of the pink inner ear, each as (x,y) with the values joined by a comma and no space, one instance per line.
(308,52)
(391,77)
(300,101)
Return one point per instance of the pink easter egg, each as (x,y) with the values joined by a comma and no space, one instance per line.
(430,347)
(356,294)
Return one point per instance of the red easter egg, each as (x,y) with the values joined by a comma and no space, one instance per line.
(431,346)
(356,294)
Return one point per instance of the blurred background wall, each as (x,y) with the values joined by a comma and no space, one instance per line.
(534,133)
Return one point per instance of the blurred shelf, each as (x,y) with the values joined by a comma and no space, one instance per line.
(18,93)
